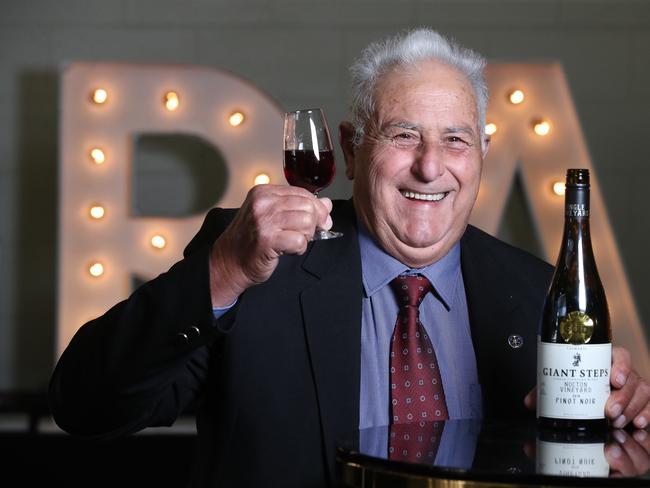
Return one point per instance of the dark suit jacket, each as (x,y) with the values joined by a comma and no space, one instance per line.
(277,377)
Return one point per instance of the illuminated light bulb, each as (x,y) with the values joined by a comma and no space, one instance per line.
(158,242)
(171,101)
(97,212)
(262,179)
(97,155)
(516,97)
(559,188)
(236,119)
(99,96)
(96,269)
(490,128)
(541,127)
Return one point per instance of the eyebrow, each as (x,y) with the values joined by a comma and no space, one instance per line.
(416,127)
(465,130)
(403,125)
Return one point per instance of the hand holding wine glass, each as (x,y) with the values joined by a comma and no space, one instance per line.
(308,155)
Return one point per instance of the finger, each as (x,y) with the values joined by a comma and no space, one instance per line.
(621,366)
(529,449)
(263,198)
(295,202)
(618,401)
(296,220)
(635,452)
(634,398)
(643,439)
(282,190)
(327,202)
(530,400)
(642,418)
(639,406)
(324,207)
(618,459)
(290,242)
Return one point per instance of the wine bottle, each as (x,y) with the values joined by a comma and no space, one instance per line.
(574,344)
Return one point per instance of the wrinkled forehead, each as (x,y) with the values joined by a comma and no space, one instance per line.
(424,86)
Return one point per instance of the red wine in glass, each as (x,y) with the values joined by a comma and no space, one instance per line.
(308,155)
(311,170)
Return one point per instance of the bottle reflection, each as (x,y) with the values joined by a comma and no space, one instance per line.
(572,453)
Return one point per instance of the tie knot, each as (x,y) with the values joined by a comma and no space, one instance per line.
(410,289)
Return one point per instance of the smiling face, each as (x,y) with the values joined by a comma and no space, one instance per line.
(417,170)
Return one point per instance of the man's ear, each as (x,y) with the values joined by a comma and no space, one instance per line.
(486,145)
(346,140)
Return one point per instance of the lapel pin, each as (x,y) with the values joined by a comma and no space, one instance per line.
(515,341)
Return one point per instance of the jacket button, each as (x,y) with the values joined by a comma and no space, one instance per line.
(194,330)
(182,338)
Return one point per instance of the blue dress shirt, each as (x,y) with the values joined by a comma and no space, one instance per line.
(445,318)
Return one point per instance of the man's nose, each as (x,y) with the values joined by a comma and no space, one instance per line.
(429,162)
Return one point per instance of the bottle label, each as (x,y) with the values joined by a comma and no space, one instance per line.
(577,210)
(568,459)
(572,380)
(577,202)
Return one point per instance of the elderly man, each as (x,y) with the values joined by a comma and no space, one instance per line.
(289,345)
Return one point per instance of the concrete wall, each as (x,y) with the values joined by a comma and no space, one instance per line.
(298,52)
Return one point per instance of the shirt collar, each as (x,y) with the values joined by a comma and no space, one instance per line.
(379,268)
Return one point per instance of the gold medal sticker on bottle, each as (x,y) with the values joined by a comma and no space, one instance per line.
(576,328)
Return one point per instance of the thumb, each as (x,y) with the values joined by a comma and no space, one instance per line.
(530,400)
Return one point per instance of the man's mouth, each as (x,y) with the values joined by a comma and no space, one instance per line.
(428,197)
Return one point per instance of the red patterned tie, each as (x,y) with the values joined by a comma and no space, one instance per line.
(416,442)
(416,385)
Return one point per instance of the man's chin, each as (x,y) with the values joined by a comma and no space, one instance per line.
(420,253)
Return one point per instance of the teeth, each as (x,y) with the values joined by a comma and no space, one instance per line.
(431,197)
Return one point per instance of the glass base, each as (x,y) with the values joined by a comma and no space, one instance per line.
(323,235)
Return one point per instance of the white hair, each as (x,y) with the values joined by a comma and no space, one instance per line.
(409,48)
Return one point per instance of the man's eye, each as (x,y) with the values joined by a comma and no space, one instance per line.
(406,140)
(455,139)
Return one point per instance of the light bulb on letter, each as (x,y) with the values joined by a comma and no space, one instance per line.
(97,155)
(171,101)
(262,179)
(541,127)
(99,96)
(516,97)
(96,269)
(158,242)
(559,188)
(236,119)
(97,212)
(490,128)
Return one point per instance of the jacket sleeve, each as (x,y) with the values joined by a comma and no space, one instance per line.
(146,359)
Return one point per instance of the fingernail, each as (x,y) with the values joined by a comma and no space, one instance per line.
(616,410)
(620,379)
(619,422)
(641,422)
(618,435)
(615,452)
(640,435)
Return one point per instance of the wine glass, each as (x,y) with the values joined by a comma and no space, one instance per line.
(308,155)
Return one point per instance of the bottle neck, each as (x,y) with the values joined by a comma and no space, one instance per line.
(576,215)
(577,203)
(576,255)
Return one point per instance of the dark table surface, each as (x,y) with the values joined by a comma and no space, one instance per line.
(504,451)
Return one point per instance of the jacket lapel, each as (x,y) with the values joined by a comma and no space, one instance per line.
(502,323)
(331,308)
